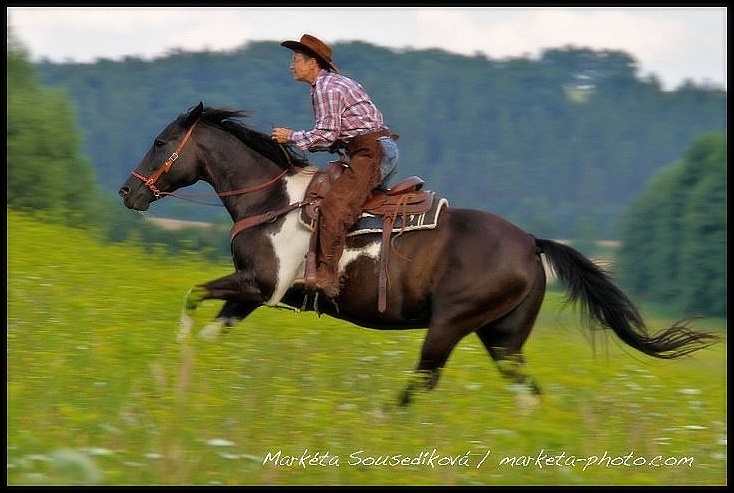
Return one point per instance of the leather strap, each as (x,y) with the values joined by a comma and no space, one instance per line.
(258,219)
(387,223)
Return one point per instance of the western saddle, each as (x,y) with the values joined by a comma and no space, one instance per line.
(403,199)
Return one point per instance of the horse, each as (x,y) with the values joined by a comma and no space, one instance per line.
(474,272)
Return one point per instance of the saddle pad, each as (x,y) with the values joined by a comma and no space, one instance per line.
(370,223)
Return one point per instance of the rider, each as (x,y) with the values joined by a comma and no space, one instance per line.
(345,118)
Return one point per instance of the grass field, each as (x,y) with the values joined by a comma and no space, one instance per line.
(100,392)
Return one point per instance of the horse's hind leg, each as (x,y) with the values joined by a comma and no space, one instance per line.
(437,346)
(505,338)
(421,380)
(511,366)
(506,351)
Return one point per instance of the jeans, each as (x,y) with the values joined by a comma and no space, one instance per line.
(389,162)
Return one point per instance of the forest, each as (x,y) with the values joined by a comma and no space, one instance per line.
(559,145)
(574,145)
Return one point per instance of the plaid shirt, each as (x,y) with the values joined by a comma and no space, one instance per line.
(342,110)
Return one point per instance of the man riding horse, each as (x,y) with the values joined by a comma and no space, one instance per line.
(345,119)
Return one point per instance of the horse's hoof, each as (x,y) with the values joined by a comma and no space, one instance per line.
(404,399)
(382,411)
(212,331)
(526,400)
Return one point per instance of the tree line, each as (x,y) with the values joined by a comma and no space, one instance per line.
(550,144)
(674,233)
(565,146)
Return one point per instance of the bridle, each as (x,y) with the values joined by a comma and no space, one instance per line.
(150,182)
(240,225)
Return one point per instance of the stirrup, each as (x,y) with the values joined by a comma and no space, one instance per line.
(309,277)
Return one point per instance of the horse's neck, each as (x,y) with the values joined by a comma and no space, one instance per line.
(236,174)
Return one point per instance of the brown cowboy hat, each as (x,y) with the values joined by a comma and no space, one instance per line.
(313,46)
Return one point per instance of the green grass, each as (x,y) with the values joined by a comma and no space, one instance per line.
(100,392)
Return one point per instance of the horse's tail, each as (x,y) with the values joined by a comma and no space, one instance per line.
(605,305)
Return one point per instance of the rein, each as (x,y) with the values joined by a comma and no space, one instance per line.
(267,217)
(240,191)
(240,225)
(150,182)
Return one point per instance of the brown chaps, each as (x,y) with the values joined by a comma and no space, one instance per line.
(342,205)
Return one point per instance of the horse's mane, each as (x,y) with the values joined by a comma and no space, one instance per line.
(229,121)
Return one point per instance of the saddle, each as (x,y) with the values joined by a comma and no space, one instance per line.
(393,208)
(406,197)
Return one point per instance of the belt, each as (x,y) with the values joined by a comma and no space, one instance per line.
(357,140)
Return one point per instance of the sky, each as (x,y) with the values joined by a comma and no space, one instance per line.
(673,43)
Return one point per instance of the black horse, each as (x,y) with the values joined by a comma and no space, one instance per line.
(472,272)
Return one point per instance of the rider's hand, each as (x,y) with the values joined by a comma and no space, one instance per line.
(281,135)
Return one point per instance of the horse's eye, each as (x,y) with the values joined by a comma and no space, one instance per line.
(158,143)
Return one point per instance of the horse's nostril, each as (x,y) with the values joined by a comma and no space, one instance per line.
(124,191)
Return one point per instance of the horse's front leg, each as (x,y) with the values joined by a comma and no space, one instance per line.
(193,298)
(241,293)
(230,315)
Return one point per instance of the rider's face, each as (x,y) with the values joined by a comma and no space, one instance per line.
(304,68)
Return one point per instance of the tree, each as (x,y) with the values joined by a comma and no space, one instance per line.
(674,234)
(45,169)
(703,248)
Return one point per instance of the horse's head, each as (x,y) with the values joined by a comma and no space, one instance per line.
(168,165)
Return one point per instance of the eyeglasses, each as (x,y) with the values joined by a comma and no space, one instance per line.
(299,58)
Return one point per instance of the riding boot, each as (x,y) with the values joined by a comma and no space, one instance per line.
(342,206)
(327,277)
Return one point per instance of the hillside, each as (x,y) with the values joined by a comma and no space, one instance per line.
(519,137)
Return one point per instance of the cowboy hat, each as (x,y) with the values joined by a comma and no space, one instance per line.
(315,47)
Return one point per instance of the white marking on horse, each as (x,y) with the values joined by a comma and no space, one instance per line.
(213,329)
(290,243)
(371,250)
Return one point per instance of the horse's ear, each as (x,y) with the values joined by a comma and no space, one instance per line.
(194,113)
